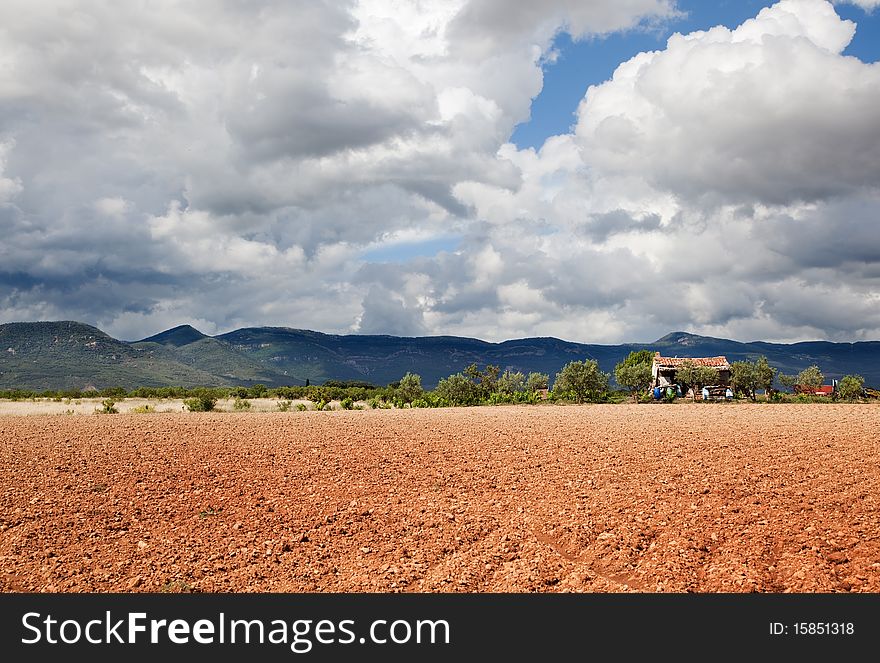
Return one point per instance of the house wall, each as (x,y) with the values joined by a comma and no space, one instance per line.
(662,378)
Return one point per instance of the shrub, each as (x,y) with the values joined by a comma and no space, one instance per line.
(511,382)
(459,390)
(410,388)
(241,404)
(788,380)
(582,379)
(695,376)
(109,407)
(373,403)
(143,409)
(747,377)
(284,406)
(204,402)
(537,381)
(347,404)
(320,405)
(811,377)
(851,387)
(301,407)
(258,391)
(634,372)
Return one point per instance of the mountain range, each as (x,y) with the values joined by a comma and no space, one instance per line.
(73,355)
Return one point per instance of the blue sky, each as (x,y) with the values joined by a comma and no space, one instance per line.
(592,61)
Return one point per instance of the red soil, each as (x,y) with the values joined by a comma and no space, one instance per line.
(687,497)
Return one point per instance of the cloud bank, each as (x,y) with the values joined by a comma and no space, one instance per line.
(236,164)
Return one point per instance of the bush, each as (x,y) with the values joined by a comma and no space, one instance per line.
(301,407)
(410,388)
(289,393)
(284,406)
(241,404)
(143,409)
(635,376)
(458,390)
(537,381)
(320,405)
(582,380)
(347,404)
(204,402)
(851,387)
(258,391)
(811,378)
(695,376)
(510,382)
(109,407)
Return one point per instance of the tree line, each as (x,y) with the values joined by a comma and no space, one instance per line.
(576,381)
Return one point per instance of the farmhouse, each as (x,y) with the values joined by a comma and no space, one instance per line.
(663,369)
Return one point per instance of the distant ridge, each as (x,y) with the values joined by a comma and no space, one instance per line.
(176,336)
(73,355)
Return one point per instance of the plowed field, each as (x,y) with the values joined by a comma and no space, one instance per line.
(671,498)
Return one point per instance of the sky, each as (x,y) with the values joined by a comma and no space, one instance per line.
(604,171)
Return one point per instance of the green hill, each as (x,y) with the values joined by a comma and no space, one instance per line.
(72,355)
(177,336)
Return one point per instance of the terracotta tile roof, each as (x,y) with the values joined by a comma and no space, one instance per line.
(824,390)
(673,362)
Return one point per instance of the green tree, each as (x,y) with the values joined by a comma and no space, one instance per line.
(582,379)
(489,380)
(537,381)
(743,378)
(410,387)
(639,357)
(511,382)
(203,401)
(485,380)
(634,372)
(764,375)
(788,381)
(695,376)
(851,387)
(811,378)
(458,390)
(259,391)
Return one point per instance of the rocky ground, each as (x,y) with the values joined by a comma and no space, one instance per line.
(646,498)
